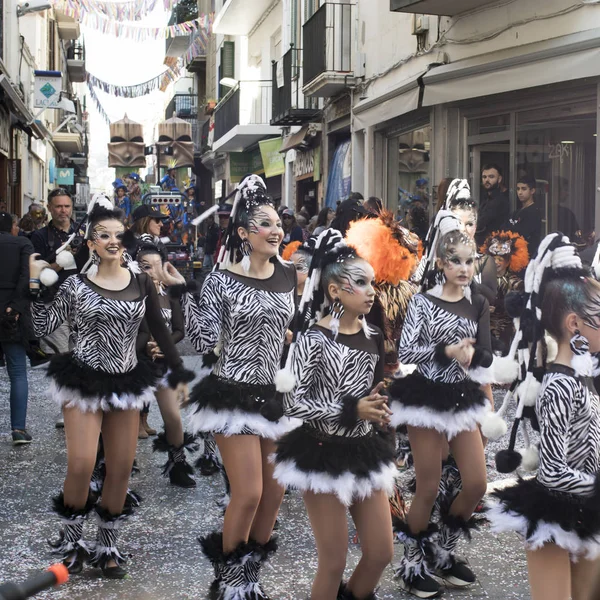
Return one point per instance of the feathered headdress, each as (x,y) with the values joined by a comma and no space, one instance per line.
(508,245)
(525,365)
(389,248)
(290,250)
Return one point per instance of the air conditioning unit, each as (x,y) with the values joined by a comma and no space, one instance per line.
(420,24)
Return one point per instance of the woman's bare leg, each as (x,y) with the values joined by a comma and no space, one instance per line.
(373,522)
(82,431)
(585,579)
(271,497)
(171,415)
(549,573)
(242,459)
(426,446)
(330,527)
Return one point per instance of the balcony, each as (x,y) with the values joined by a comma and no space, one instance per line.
(184,106)
(446,8)
(68,27)
(176,46)
(242,117)
(238,17)
(67,142)
(290,106)
(328,49)
(76,62)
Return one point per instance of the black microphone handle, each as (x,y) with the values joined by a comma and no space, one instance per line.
(21,591)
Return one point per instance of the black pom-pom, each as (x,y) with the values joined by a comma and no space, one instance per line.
(210,359)
(514,303)
(528,325)
(129,242)
(272,410)
(508,461)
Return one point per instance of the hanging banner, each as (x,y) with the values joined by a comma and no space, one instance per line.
(271,157)
(47,89)
(242,163)
(133,10)
(96,100)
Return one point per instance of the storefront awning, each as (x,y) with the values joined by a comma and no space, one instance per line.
(390,105)
(560,59)
(296,140)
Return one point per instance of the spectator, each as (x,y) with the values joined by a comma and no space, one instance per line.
(292,232)
(324,219)
(123,201)
(14,322)
(38,215)
(527,220)
(349,210)
(494,208)
(303,224)
(211,239)
(15,225)
(223,213)
(26,226)
(567,221)
(373,205)
(417,220)
(134,191)
(168,182)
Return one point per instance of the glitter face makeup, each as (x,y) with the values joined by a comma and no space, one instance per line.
(264,231)
(357,292)
(107,237)
(151,263)
(459,263)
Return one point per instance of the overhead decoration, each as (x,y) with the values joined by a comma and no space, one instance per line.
(134,10)
(97,102)
(126,147)
(133,91)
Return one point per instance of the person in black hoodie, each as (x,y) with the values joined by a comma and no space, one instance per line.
(527,219)
(494,207)
(14,322)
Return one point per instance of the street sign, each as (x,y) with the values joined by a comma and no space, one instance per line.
(47,90)
(65,176)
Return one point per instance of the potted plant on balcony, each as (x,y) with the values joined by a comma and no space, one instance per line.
(209,107)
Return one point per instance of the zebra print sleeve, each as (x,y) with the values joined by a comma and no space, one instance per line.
(203,320)
(303,402)
(410,352)
(556,407)
(45,319)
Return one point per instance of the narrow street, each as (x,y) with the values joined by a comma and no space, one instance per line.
(166,563)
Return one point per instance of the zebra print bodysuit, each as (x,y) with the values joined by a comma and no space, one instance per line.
(103,371)
(441,394)
(561,505)
(245,321)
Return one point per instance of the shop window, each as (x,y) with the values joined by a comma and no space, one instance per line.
(557,146)
(495,124)
(409,172)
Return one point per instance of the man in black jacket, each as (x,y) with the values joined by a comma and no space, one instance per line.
(527,219)
(494,207)
(14,322)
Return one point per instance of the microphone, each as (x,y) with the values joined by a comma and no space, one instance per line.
(55,575)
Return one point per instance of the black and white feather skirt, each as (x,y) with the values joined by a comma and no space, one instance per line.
(76,385)
(544,516)
(229,407)
(450,408)
(352,468)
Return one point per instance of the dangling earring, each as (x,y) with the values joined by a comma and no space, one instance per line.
(336,311)
(92,271)
(582,361)
(246,251)
(438,289)
(131,264)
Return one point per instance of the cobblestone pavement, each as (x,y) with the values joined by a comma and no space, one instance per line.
(165,560)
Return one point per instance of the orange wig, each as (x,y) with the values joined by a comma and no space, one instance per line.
(509,245)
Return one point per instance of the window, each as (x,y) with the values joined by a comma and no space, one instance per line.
(52,45)
(226,66)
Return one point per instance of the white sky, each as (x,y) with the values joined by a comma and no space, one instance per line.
(123,62)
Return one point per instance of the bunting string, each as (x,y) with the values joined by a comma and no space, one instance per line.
(133,10)
(97,103)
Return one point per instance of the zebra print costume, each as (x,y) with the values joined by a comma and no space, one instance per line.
(245,320)
(103,372)
(335,452)
(440,394)
(561,505)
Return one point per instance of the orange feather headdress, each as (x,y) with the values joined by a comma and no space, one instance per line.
(290,250)
(507,244)
(389,248)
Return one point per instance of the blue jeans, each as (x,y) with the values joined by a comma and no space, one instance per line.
(16,365)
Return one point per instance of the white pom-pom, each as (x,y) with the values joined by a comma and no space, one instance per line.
(551,348)
(531,458)
(217,350)
(48,277)
(494,426)
(482,375)
(506,369)
(529,390)
(285,381)
(583,364)
(66,260)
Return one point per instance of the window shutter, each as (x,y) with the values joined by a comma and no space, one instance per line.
(227,68)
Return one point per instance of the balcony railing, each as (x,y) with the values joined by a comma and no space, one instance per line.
(290,106)
(248,103)
(327,39)
(204,145)
(76,51)
(184,106)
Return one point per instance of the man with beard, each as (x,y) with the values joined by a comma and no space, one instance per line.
(494,208)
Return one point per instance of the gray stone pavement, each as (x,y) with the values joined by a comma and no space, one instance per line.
(165,560)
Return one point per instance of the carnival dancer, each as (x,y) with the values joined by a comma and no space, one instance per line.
(509,252)
(557,512)
(172,440)
(446,334)
(245,309)
(343,455)
(101,385)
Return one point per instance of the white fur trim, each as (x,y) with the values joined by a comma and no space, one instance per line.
(347,487)
(234,422)
(505,368)
(450,423)
(503,520)
(531,458)
(493,426)
(66,260)
(551,348)
(250,590)
(48,277)
(285,381)
(584,364)
(528,390)
(71,398)
(483,375)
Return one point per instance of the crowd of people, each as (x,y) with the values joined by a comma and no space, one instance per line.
(333,346)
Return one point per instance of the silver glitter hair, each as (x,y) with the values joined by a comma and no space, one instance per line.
(448,243)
